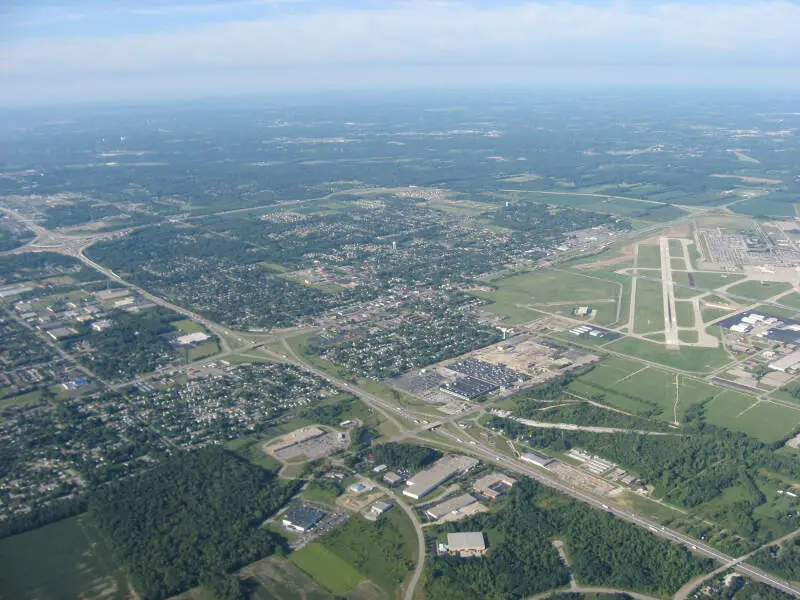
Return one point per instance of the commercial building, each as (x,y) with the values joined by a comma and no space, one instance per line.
(466,544)
(452,506)
(494,485)
(537,458)
(443,469)
(302,518)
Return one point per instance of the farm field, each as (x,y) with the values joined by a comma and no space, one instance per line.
(67,559)
(758,290)
(649,307)
(327,569)
(281,579)
(552,291)
(688,358)
(763,420)
(649,257)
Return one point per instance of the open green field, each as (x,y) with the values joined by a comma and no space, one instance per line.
(758,290)
(615,206)
(204,350)
(712,314)
(684,293)
(741,412)
(189,326)
(641,389)
(67,559)
(694,255)
(689,336)
(707,279)
(792,300)
(327,569)
(688,358)
(675,249)
(685,314)
(551,291)
(649,257)
(649,307)
(677,263)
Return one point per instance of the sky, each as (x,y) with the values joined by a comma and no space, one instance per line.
(140,50)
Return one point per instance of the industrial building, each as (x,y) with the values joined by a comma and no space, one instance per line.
(453,505)
(443,469)
(466,544)
(790,362)
(392,478)
(494,485)
(302,518)
(537,458)
(379,508)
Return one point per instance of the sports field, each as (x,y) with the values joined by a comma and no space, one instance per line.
(67,559)
(327,569)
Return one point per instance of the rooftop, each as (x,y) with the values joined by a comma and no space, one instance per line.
(465,539)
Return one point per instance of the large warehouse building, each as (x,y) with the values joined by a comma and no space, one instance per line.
(443,469)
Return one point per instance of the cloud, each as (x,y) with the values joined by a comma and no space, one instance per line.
(391,35)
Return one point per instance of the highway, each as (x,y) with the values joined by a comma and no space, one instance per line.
(392,411)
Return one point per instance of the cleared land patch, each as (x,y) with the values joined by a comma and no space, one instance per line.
(740,412)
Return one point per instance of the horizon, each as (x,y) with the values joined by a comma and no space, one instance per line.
(152,52)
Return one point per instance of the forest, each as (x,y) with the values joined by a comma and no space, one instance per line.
(602,551)
(190,520)
(404,456)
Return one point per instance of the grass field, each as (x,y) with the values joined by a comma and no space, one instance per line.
(649,307)
(792,300)
(709,280)
(204,350)
(649,257)
(688,336)
(682,293)
(741,412)
(675,249)
(552,291)
(189,326)
(685,314)
(677,263)
(758,290)
(327,569)
(600,203)
(712,314)
(688,358)
(640,389)
(67,559)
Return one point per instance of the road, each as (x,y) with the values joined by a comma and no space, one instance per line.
(589,428)
(420,566)
(479,450)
